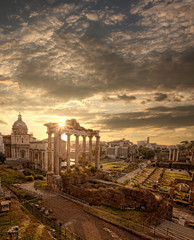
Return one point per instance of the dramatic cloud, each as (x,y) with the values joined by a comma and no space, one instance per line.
(126,98)
(2,122)
(159,97)
(158,117)
(91,59)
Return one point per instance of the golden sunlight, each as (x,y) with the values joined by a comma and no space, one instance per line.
(64,137)
(61,124)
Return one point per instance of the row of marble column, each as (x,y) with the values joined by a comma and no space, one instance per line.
(37,159)
(58,151)
(174,153)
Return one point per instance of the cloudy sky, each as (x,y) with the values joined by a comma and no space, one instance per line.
(125,67)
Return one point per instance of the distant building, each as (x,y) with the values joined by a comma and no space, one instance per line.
(119,148)
(1,144)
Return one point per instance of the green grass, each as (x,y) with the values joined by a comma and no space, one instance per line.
(169,177)
(28,225)
(135,216)
(40,185)
(10,176)
(114,166)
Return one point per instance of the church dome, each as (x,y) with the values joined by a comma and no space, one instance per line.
(19,127)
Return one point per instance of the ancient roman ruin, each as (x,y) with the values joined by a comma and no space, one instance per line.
(174,154)
(71,127)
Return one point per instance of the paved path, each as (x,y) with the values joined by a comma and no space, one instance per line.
(74,217)
(107,163)
(131,174)
(182,213)
(175,230)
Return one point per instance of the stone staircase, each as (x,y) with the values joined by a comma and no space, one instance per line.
(140,178)
(153,178)
(175,231)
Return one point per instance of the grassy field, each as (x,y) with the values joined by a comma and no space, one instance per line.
(135,216)
(114,166)
(10,176)
(168,178)
(29,227)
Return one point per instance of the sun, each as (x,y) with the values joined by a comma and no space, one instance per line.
(61,124)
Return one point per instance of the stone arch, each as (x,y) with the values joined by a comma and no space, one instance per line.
(182,193)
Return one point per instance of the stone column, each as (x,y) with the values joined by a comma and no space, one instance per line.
(170,155)
(49,151)
(38,160)
(84,152)
(173,156)
(56,153)
(177,155)
(90,151)
(97,160)
(68,150)
(60,151)
(63,149)
(76,150)
(43,162)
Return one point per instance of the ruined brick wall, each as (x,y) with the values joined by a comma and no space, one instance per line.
(118,198)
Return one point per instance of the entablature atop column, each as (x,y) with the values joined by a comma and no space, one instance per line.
(71,127)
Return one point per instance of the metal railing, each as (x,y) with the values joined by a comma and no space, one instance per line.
(62,232)
(150,231)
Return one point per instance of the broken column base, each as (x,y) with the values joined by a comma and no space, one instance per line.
(54,181)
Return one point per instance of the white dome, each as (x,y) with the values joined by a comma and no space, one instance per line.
(19,127)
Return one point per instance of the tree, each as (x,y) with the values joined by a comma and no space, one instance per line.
(2,157)
(181,147)
(157,150)
(147,153)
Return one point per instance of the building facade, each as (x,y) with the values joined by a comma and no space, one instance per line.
(2,150)
(22,145)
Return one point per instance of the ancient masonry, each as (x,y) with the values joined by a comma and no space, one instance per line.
(174,154)
(71,127)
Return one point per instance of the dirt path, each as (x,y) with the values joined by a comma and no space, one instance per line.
(83,224)
(74,217)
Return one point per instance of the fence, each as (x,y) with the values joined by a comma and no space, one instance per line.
(61,232)
(150,231)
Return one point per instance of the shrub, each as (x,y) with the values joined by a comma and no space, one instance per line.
(38,177)
(126,182)
(2,157)
(29,178)
(28,172)
(136,184)
(93,169)
(77,169)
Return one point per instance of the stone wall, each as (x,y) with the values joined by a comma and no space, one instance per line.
(120,198)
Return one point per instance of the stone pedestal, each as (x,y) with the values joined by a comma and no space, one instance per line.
(54,181)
